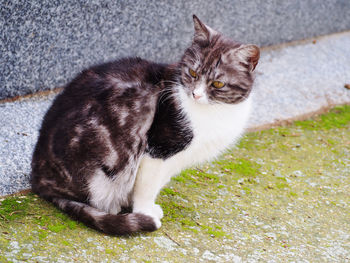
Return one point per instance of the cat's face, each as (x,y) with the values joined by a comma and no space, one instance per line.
(215,69)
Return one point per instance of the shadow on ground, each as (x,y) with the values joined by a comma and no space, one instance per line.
(280,194)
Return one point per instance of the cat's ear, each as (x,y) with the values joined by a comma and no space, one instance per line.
(250,54)
(201,32)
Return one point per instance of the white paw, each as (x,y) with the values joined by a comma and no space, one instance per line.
(158,211)
(157,222)
(154,211)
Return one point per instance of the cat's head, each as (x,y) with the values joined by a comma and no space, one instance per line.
(215,69)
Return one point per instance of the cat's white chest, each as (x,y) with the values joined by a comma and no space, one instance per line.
(215,127)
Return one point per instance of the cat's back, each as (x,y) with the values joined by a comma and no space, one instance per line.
(128,83)
(120,78)
(103,113)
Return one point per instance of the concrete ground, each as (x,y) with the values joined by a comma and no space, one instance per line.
(292,81)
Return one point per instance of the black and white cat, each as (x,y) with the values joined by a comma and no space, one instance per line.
(119,131)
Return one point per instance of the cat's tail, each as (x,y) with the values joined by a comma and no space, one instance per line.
(121,224)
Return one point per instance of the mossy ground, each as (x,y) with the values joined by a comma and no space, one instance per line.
(281,194)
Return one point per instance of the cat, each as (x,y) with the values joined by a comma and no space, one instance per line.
(119,131)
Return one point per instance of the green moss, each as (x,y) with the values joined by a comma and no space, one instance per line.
(4,259)
(168,191)
(71,224)
(194,230)
(66,243)
(56,228)
(15,207)
(283,131)
(42,234)
(249,141)
(61,216)
(337,117)
(282,179)
(189,225)
(174,210)
(281,185)
(186,176)
(246,189)
(215,232)
(208,178)
(110,251)
(240,166)
(195,177)
(179,179)
(187,222)
(292,194)
(331,141)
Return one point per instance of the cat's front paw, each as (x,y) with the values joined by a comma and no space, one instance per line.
(154,211)
(157,222)
(158,211)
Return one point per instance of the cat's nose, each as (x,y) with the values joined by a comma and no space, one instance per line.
(195,96)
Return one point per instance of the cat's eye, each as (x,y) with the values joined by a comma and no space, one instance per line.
(218,84)
(193,73)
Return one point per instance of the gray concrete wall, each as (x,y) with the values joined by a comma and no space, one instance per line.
(44,43)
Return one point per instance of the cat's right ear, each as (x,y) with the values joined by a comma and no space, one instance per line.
(249,53)
(201,32)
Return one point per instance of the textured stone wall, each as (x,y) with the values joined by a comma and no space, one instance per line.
(44,43)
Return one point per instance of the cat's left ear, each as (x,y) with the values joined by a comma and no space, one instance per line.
(202,33)
(250,54)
